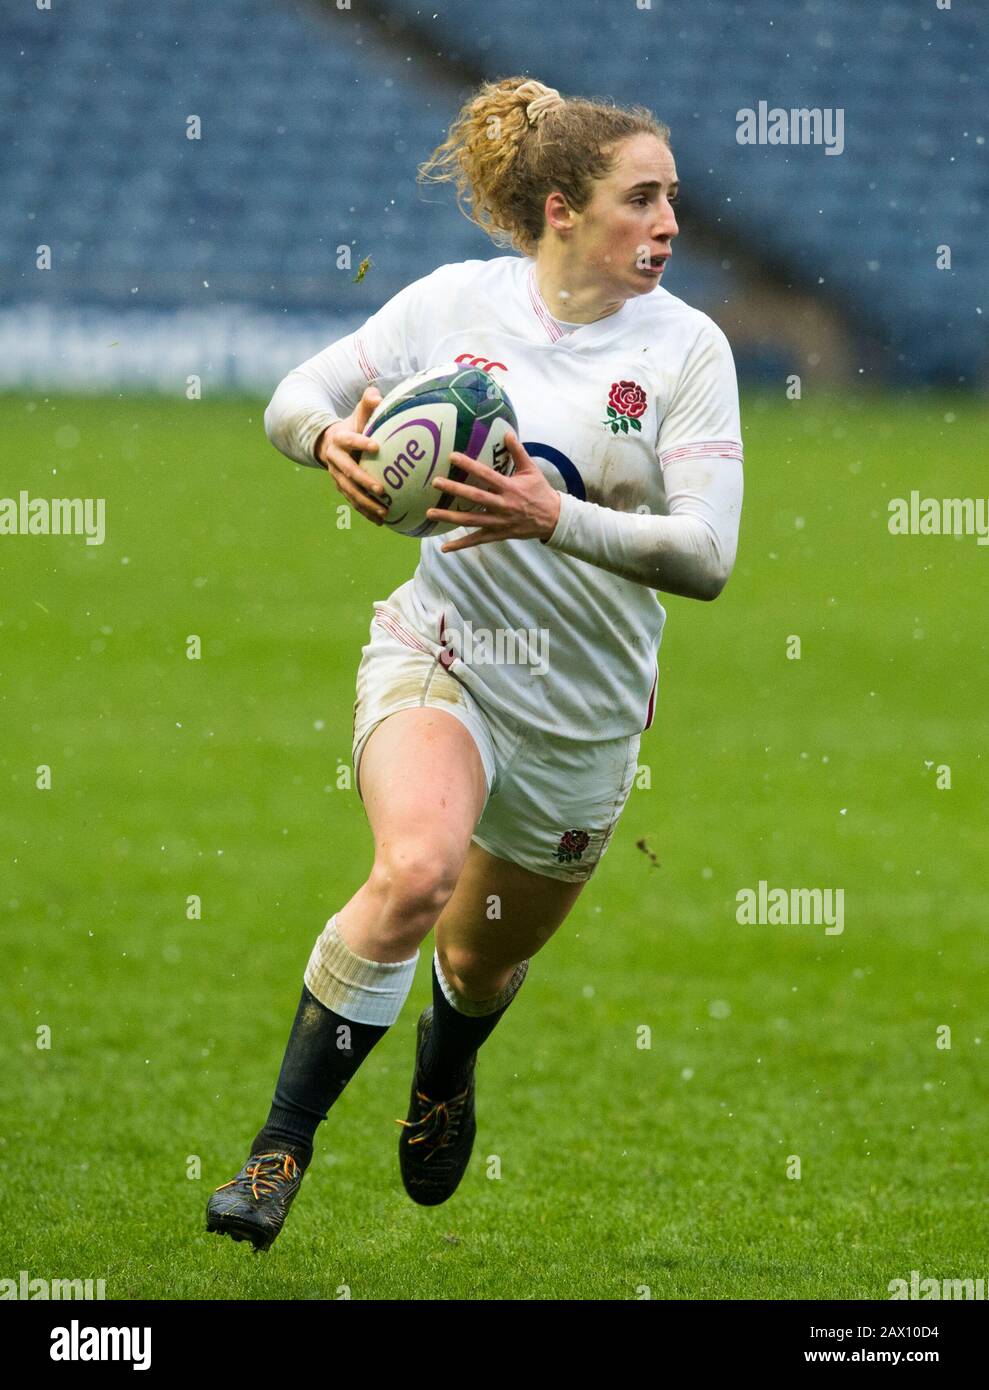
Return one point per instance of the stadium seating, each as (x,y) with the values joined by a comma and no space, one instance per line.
(313,122)
(865,224)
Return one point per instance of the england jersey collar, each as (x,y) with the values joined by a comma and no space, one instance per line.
(575,338)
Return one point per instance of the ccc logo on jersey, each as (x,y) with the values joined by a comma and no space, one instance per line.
(467,359)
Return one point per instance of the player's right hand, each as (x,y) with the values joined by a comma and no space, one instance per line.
(337,447)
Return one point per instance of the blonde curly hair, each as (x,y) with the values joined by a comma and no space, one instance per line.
(515,141)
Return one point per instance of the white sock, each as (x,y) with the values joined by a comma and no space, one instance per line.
(363,991)
(477,1008)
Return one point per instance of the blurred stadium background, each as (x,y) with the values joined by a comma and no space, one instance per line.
(218,256)
(223,779)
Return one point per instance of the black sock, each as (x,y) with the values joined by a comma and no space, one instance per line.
(324,1051)
(452,1042)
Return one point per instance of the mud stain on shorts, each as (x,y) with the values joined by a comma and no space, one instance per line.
(442,686)
(430,686)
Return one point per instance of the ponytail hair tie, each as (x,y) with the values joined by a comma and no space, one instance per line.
(543,100)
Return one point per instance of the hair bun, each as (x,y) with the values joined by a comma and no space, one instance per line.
(542,100)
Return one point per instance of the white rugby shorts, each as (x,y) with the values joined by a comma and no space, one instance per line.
(552,802)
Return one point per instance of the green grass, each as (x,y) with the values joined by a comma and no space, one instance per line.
(621,1167)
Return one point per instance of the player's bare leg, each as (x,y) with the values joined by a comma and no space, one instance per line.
(479,955)
(478,966)
(424,787)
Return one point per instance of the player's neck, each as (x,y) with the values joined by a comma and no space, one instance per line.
(568,298)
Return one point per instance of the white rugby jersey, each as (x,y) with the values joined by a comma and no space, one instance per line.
(634,419)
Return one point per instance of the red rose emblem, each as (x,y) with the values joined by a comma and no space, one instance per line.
(626,403)
(572,845)
(628,398)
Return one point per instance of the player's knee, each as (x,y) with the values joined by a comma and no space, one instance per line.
(415,882)
(471,975)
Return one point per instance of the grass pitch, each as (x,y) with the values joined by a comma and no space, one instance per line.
(625,1170)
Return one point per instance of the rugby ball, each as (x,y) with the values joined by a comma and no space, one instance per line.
(418,425)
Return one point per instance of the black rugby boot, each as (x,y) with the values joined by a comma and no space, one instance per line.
(253,1205)
(437,1138)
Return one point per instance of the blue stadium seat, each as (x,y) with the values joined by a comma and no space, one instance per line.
(307,115)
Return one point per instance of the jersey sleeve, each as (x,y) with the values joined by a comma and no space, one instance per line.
(327,387)
(692,550)
(703,416)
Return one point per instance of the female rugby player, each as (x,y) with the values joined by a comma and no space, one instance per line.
(493,786)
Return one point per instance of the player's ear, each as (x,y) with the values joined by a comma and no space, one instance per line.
(558,212)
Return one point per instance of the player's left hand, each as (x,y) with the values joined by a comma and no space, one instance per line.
(521,506)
